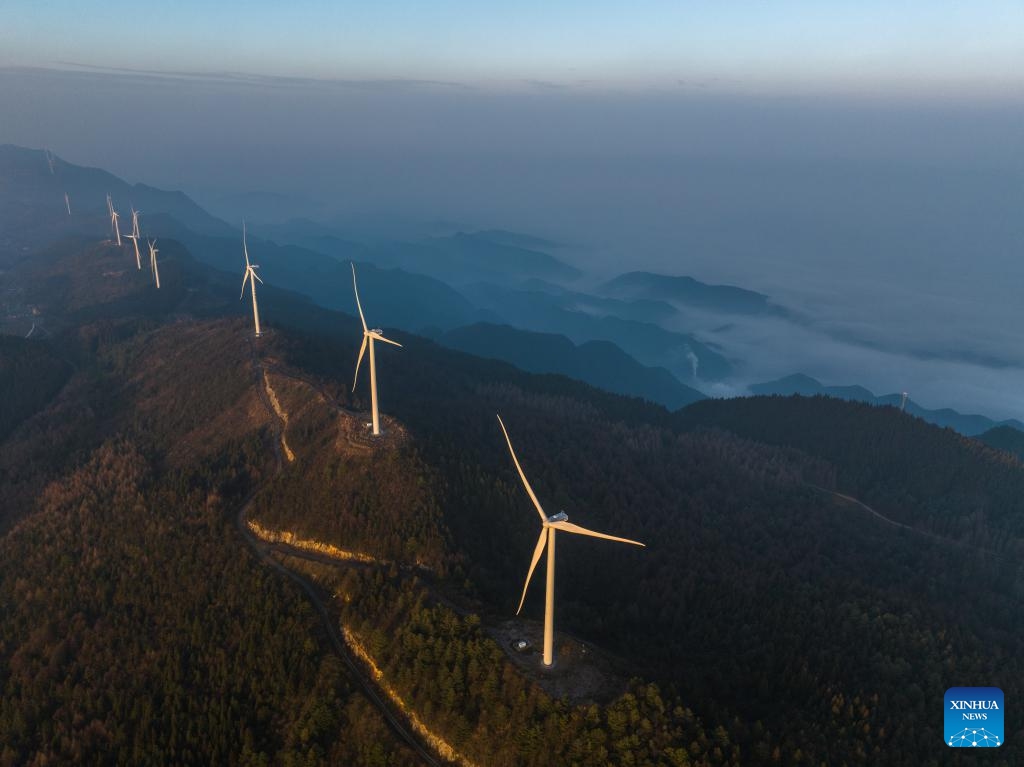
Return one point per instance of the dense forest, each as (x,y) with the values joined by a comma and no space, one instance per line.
(31,373)
(772,619)
(135,632)
(464,685)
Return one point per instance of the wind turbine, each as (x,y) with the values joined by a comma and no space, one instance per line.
(67,202)
(113,220)
(903,401)
(252,277)
(549,525)
(134,237)
(153,265)
(49,161)
(369,336)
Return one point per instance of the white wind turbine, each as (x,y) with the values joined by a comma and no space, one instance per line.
(134,237)
(369,336)
(67,202)
(549,525)
(113,219)
(252,277)
(903,401)
(153,265)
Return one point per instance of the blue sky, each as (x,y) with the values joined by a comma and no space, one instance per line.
(736,44)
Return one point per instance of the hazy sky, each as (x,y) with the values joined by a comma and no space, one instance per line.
(863,162)
(739,44)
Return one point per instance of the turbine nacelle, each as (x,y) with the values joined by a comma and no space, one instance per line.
(376,335)
(249,273)
(559,517)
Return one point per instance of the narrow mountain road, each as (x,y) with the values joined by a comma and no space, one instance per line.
(889,521)
(365,685)
(263,553)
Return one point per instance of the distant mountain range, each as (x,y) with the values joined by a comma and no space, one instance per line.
(458,259)
(806,386)
(435,285)
(27,187)
(394,297)
(684,356)
(690,292)
(1007,438)
(599,363)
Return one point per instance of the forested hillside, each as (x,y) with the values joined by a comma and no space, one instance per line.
(135,628)
(31,373)
(930,478)
(772,619)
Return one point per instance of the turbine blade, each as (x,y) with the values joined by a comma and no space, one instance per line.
(533,565)
(522,476)
(362,351)
(257,277)
(569,527)
(379,337)
(358,305)
(245,278)
(245,246)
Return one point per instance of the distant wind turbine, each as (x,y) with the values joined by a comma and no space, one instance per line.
(903,401)
(549,525)
(153,265)
(134,237)
(369,336)
(49,160)
(114,219)
(252,277)
(67,203)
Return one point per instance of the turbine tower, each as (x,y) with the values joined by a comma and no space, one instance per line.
(134,237)
(369,336)
(549,525)
(252,277)
(153,265)
(113,220)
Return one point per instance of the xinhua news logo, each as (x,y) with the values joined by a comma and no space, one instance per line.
(974,717)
